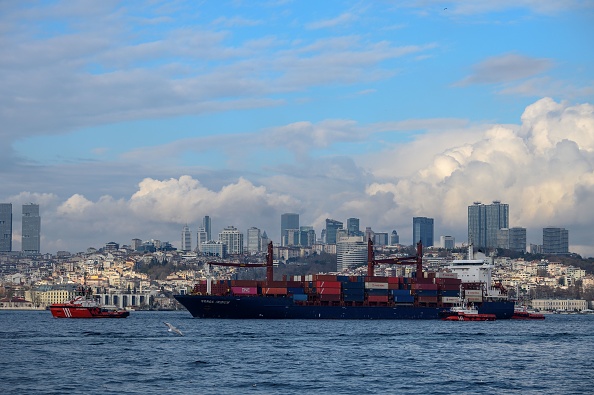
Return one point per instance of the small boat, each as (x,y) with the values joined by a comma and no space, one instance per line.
(462,313)
(522,313)
(82,307)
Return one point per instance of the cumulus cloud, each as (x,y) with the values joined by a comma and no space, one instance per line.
(543,169)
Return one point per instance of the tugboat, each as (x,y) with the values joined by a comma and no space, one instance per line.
(463,313)
(84,306)
(522,313)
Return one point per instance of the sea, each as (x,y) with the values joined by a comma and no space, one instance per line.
(138,355)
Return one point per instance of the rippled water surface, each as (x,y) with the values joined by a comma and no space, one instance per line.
(137,355)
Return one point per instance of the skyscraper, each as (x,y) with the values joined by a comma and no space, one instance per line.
(555,240)
(31,229)
(484,222)
(186,241)
(423,231)
(288,221)
(353,227)
(254,240)
(332,227)
(207,227)
(394,238)
(5,227)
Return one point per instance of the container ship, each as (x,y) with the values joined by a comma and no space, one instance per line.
(428,295)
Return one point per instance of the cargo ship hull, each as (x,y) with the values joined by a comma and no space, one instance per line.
(261,307)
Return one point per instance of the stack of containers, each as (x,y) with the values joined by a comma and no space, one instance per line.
(426,292)
(449,287)
(328,288)
(377,289)
(353,290)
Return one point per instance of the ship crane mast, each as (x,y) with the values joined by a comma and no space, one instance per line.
(409,260)
(268,265)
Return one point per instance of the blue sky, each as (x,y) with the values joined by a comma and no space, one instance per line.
(129,119)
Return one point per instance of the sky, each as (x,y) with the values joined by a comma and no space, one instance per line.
(129,119)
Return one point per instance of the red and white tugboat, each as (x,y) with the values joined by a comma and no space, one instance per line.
(522,313)
(464,313)
(83,306)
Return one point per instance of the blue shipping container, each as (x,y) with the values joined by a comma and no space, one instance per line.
(300,297)
(404,299)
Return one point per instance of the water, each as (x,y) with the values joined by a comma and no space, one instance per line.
(136,355)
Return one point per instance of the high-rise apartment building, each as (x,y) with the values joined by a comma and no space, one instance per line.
(288,221)
(5,227)
(351,251)
(31,229)
(201,238)
(447,242)
(233,239)
(186,239)
(332,227)
(423,231)
(512,239)
(555,240)
(484,222)
(207,227)
(254,240)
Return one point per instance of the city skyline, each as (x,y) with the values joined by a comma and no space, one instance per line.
(381,111)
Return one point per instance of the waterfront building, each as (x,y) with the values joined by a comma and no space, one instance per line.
(555,240)
(5,227)
(447,242)
(254,240)
(186,239)
(559,304)
(484,222)
(332,227)
(31,229)
(233,239)
(423,231)
(288,221)
(351,252)
(206,224)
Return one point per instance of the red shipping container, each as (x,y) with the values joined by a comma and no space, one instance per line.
(274,291)
(325,277)
(450,287)
(393,280)
(427,299)
(244,290)
(244,283)
(328,284)
(376,279)
(393,286)
(330,298)
(329,291)
(377,298)
(425,287)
